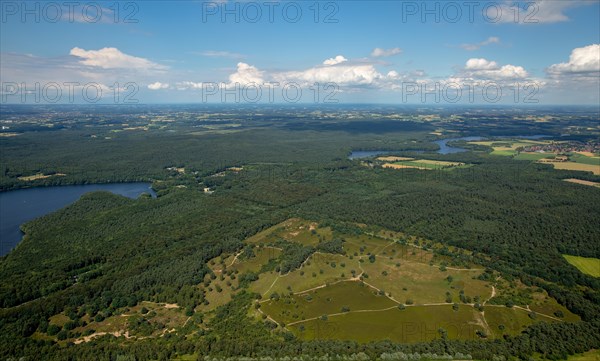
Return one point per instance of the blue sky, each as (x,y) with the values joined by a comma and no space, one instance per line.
(378,51)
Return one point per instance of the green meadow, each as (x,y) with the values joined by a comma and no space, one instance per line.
(589,266)
(413,324)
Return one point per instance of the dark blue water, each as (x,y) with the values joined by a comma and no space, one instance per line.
(23,205)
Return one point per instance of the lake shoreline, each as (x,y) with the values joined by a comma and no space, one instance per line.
(27,185)
(20,206)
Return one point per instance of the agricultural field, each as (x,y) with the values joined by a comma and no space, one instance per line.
(589,266)
(582,182)
(510,147)
(594,168)
(517,149)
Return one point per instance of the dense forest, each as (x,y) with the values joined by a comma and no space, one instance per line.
(107,252)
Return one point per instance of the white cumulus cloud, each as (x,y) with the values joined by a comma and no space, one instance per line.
(113,58)
(158,85)
(333,61)
(246,74)
(583,61)
(340,71)
(341,74)
(483,69)
(480,64)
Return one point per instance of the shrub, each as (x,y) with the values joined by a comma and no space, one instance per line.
(53,330)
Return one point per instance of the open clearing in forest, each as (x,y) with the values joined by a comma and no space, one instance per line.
(507,321)
(422,283)
(40,176)
(589,266)
(582,182)
(351,295)
(413,324)
(294,229)
(387,285)
(424,164)
(394,159)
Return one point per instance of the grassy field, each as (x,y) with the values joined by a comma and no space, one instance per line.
(422,283)
(296,230)
(262,255)
(264,283)
(338,298)
(585,159)
(413,324)
(425,164)
(190,357)
(365,244)
(224,286)
(542,303)
(316,272)
(589,266)
(593,355)
(532,156)
(358,295)
(394,159)
(507,321)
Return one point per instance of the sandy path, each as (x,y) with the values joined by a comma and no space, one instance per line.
(235,258)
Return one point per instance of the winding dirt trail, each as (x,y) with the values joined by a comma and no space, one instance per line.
(235,258)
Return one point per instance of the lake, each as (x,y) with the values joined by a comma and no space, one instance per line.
(444,149)
(23,205)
